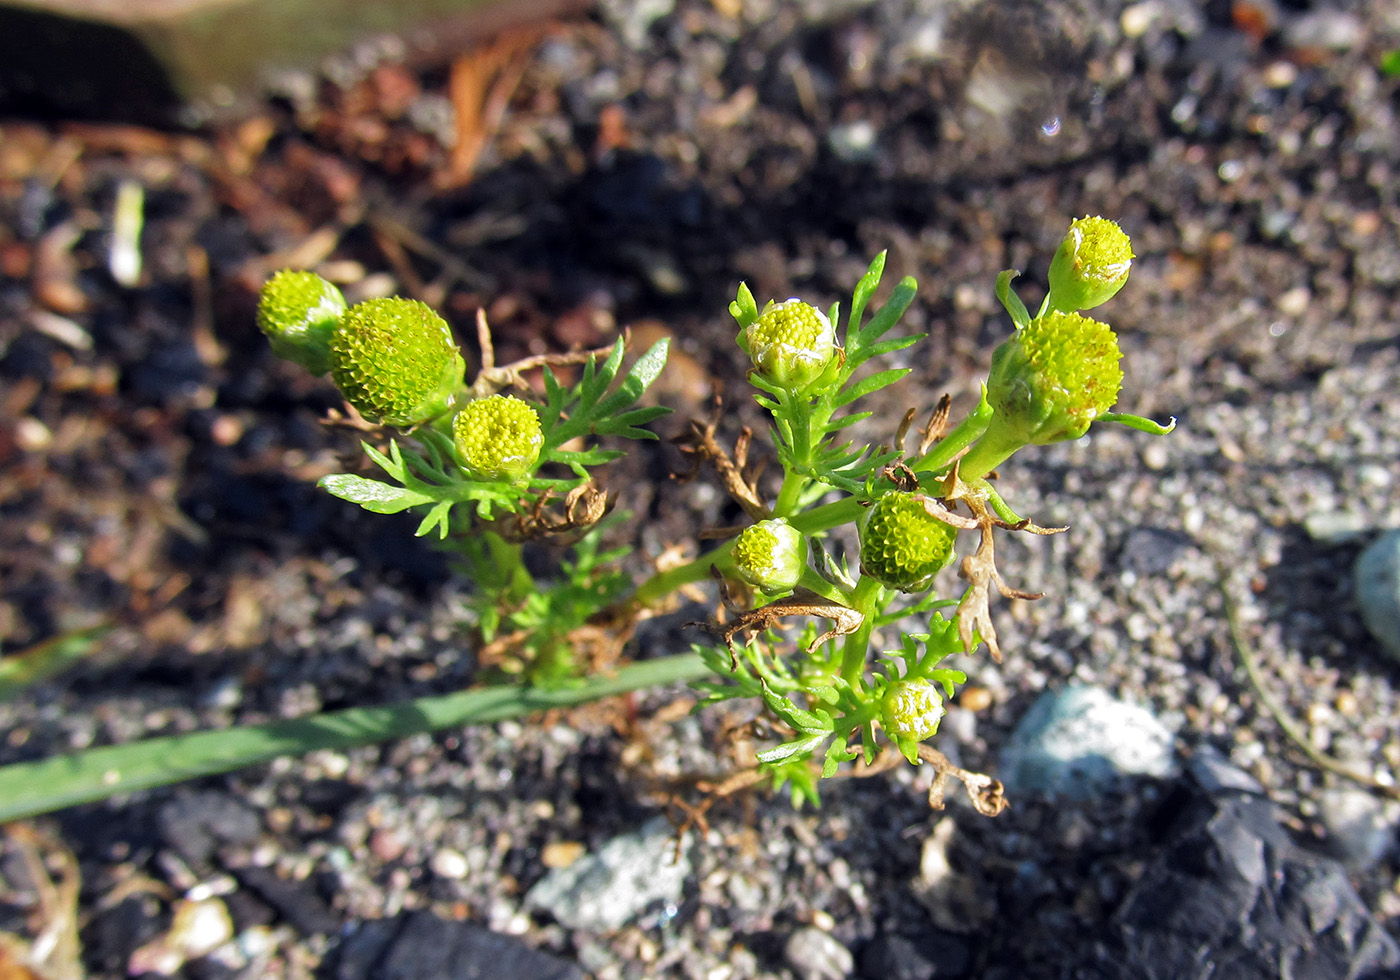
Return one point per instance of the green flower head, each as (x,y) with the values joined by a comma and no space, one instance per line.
(902,545)
(298,311)
(1053,377)
(394,360)
(791,344)
(770,555)
(912,709)
(498,438)
(1090,266)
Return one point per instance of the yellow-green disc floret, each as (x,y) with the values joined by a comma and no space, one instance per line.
(791,343)
(770,555)
(902,545)
(912,709)
(298,311)
(498,437)
(1090,266)
(1052,378)
(394,360)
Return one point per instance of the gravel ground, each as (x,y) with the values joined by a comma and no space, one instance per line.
(159,465)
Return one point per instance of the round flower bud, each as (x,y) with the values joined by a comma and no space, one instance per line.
(912,709)
(298,311)
(1053,377)
(497,438)
(1090,265)
(394,360)
(770,555)
(902,545)
(791,344)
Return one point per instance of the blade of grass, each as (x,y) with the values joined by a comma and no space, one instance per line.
(19,671)
(31,788)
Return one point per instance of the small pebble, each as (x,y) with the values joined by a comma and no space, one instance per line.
(1334,527)
(1356,826)
(817,955)
(1376,585)
(975,698)
(561,853)
(1280,74)
(450,864)
(1294,302)
(1137,18)
(853,142)
(1154,455)
(31,435)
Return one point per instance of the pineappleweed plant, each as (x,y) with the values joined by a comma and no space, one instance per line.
(496,465)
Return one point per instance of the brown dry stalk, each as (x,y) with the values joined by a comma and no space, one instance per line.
(480,86)
(1282,718)
(844,619)
(987,794)
(737,477)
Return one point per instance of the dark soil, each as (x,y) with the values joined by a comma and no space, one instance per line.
(159,464)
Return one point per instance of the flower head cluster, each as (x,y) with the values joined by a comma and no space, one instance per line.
(395,360)
(298,311)
(791,344)
(1053,377)
(1090,266)
(497,437)
(912,709)
(770,555)
(902,545)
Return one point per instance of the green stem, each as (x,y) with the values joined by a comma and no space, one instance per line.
(866,600)
(662,584)
(993,449)
(802,425)
(31,788)
(790,494)
(507,574)
(967,432)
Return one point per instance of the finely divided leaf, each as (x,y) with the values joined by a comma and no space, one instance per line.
(587,408)
(803,721)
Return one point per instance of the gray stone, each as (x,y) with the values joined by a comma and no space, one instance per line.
(1152,551)
(198,824)
(420,946)
(1230,895)
(1216,774)
(1376,583)
(817,955)
(606,890)
(1357,829)
(931,954)
(1077,741)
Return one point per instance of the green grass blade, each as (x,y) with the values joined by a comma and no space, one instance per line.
(31,788)
(48,659)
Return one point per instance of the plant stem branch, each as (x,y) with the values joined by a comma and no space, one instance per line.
(866,600)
